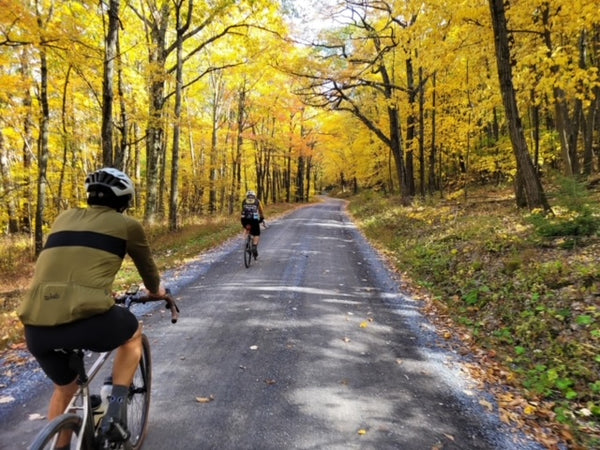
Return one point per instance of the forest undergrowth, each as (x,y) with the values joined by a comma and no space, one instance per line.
(518,291)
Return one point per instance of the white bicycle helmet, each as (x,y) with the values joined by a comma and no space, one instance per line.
(250,194)
(110,178)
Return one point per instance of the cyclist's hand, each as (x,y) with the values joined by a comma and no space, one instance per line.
(161,292)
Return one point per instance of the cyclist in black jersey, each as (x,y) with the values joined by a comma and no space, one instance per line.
(69,304)
(253,215)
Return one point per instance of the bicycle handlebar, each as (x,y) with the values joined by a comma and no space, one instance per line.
(143,296)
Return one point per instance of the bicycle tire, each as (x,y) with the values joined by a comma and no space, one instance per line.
(138,399)
(248,252)
(65,422)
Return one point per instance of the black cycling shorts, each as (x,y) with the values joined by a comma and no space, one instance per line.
(100,333)
(254,226)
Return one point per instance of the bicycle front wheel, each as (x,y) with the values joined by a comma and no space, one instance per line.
(138,399)
(66,427)
(248,252)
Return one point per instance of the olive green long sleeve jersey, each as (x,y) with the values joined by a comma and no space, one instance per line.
(76,269)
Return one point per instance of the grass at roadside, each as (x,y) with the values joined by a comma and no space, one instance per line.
(171,249)
(526,304)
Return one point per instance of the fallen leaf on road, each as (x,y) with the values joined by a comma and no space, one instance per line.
(362,431)
(364,324)
(36,416)
(270,381)
(487,404)
(6,399)
(208,399)
(254,347)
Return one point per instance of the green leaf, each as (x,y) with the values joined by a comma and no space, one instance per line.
(471,298)
(571,395)
(584,320)
(564,383)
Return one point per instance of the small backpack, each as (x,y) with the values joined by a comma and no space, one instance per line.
(250,208)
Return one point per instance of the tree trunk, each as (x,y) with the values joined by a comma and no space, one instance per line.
(433,185)
(534,192)
(308,175)
(43,153)
(8,187)
(589,117)
(28,144)
(395,139)
(567,129)
(155,133)
(122,153)
(110,52)
(212,196)
(67,143)
(174,194)
(421,135)
(236,170)
(288,174)
(300,180)
(411,122)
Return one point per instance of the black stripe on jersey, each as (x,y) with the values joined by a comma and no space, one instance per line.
(111,244)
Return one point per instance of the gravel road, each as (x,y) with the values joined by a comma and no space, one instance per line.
(313,347)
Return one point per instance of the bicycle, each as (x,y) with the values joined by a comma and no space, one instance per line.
(82,417)
(248,247)
(248,254)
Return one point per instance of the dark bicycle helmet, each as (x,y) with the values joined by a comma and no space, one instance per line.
(109,187)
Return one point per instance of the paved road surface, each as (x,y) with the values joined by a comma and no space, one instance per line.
(312,347)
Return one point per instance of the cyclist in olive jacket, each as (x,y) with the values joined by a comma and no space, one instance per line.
(70,304)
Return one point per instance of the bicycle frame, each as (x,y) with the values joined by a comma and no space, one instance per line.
(80,404)
(79,418)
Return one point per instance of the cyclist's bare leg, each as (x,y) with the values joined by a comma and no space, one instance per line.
(126,362)
(59,401)
(127,359)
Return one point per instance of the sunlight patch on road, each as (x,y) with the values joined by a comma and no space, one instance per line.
(330,238)
(331,224)
(300,289)
(340,301)
(347,410)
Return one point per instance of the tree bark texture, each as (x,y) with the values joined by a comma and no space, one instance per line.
(532,186)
